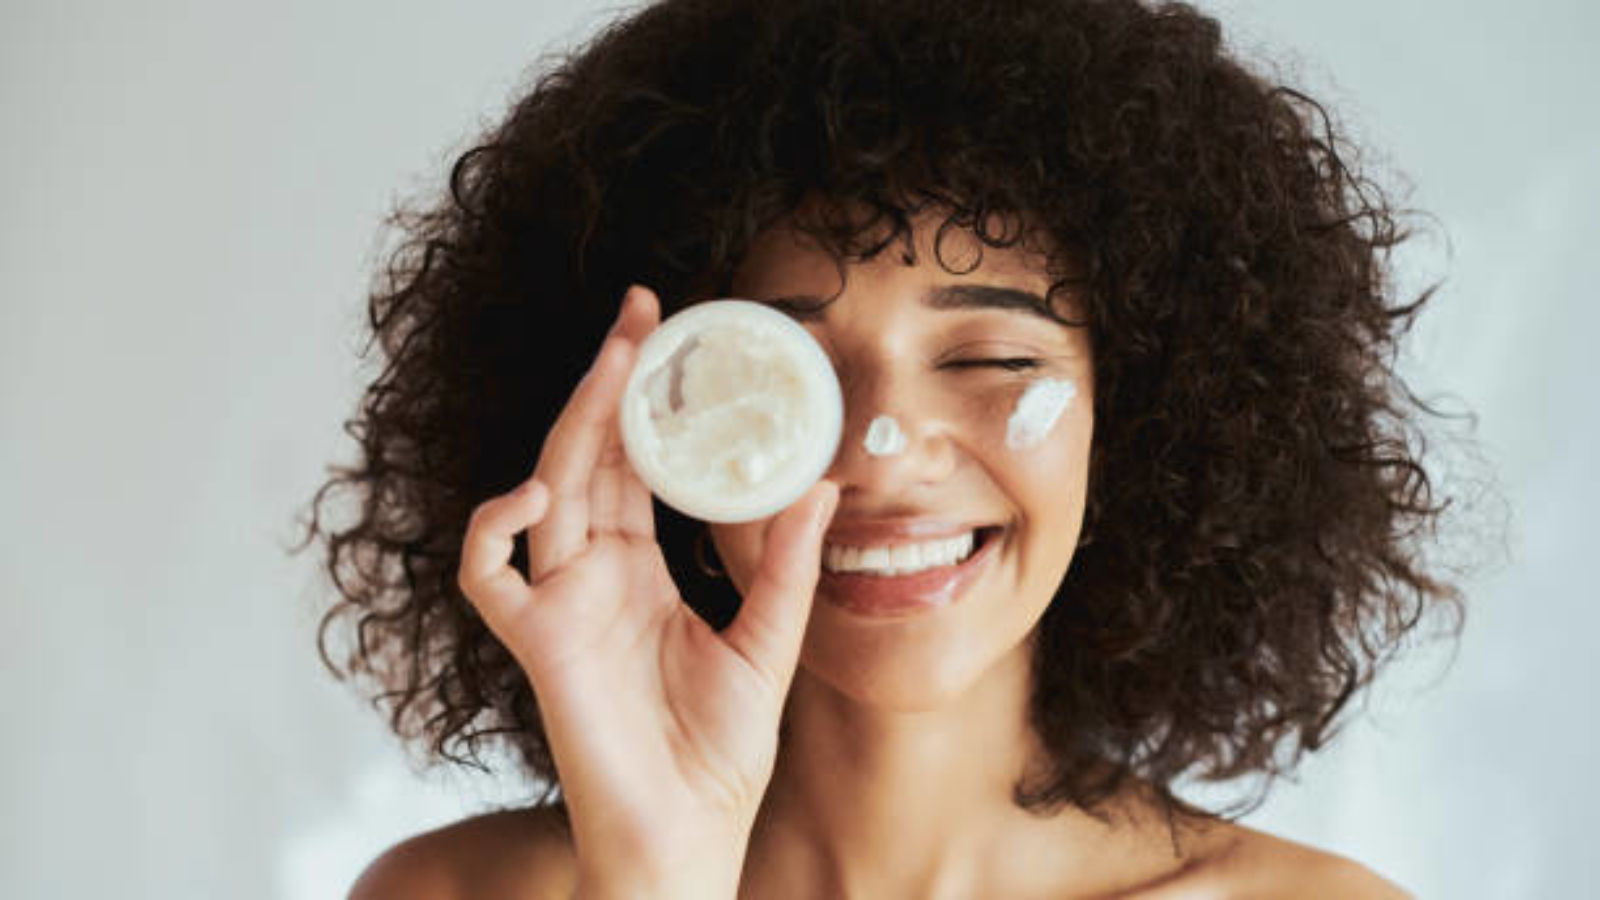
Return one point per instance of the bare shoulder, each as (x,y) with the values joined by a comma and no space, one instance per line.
(1253,864)
(521,853)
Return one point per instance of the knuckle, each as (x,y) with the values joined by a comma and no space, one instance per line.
(465,582)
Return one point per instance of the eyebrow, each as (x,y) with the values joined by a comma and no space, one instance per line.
(808,308)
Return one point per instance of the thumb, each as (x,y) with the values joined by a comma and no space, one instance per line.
(771,623)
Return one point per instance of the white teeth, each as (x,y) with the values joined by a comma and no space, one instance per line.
(875,558)
(900,559)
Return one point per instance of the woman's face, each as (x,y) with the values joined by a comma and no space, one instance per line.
(917,343)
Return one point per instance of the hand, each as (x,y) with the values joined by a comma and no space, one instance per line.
(664,732)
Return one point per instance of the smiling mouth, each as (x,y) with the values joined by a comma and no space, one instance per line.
(871,585)
(906,558)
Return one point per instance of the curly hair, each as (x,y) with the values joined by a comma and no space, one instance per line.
(1258,505)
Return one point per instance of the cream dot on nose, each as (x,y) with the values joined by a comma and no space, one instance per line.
(884,437)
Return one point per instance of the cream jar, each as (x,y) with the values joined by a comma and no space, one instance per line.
(732,411)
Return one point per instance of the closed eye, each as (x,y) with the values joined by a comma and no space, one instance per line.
(1010,363)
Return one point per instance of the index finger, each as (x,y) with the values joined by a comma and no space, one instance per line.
(581,433)
(486,575)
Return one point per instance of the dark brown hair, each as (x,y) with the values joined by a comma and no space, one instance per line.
(1258,503)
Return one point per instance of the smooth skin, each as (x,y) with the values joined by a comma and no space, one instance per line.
(664,731)
(902,739)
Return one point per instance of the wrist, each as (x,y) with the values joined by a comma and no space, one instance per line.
(696,881)
(702,870)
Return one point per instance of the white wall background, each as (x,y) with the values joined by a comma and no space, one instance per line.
(189,197)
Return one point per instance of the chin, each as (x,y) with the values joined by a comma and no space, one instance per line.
(895,672)
(896,695)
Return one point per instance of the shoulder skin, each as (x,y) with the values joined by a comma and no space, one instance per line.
(516,853)
(1260,866)
(528,854)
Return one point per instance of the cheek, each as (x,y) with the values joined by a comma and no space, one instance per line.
(1029,424)
(1058,464)
(1044,469)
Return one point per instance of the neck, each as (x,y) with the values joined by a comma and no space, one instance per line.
(868,802)
(871,802)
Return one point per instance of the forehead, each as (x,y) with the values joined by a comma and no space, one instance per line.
(935,235)
(964,269)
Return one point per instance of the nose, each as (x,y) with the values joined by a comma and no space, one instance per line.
(927,455)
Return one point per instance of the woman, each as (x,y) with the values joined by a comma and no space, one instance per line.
(1185,574)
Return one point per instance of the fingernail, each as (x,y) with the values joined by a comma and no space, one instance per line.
(824,511)
(535,494)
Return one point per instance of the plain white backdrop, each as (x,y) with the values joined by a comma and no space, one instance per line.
(190,197)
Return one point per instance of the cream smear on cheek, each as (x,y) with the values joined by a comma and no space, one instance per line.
(1037,411)
(884,437)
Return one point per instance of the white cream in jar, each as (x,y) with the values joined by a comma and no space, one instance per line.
(732,411)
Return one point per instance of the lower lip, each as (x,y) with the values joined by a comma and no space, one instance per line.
(897,596)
